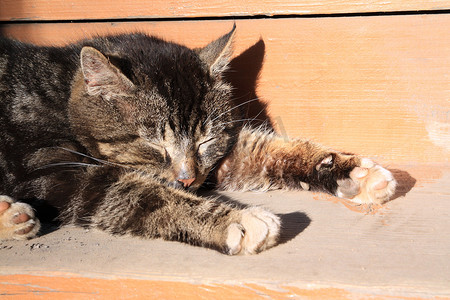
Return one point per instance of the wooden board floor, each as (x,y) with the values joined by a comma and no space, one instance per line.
(329,250)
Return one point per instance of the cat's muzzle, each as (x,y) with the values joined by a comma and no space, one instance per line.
(183,184)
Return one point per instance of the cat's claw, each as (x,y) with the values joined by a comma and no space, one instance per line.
(368,184)
(17,220)
(257,230)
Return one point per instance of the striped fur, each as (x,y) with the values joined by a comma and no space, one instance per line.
(117,133)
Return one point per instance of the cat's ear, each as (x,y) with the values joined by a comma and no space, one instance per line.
(101,77)
(217,54)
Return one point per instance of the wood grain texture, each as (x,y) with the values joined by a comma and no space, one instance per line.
(11,10)
(377,86)
(70,286)
(401,250)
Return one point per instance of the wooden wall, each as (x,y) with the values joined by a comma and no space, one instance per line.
(372,77)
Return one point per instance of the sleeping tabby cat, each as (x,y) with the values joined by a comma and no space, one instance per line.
(117,133)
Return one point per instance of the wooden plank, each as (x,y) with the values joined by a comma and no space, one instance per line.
(400,252)
(11,10)
(378,86)
(73,286)
(70,286)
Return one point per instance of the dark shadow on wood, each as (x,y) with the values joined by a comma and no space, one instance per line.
(292,224)
(405,182)
(243,75)
(46,213)
(47,228)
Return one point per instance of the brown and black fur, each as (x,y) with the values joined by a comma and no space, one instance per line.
(117,132)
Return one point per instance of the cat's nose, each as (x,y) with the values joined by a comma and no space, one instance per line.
(187,182)
(186,172)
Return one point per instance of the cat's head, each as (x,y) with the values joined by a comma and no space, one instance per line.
(155,106)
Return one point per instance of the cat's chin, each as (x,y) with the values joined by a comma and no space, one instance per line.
(179,186)
(176,185)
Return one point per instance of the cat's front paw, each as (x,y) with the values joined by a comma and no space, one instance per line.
(369,183)
(257,230)
(17,220)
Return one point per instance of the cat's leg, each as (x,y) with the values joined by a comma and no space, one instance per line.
(263,160)
(138,205)
(17,220)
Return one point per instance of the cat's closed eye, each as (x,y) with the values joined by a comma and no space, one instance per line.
(160,150)
(203,146)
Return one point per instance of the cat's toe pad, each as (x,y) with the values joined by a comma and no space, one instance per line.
(368,183)
(17,220)
(257,230)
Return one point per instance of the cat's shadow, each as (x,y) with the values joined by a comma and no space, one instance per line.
(243,75)
(292,224)
(405,183)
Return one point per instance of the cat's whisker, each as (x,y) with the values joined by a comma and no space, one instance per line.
(255,117)
(81,154)
(233,108)
(235,121)
(96,159)
(232,100)
(218,107)
(69,164)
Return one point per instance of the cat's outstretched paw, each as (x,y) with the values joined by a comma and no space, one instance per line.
(17,220)
(368,184)
(257,230)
